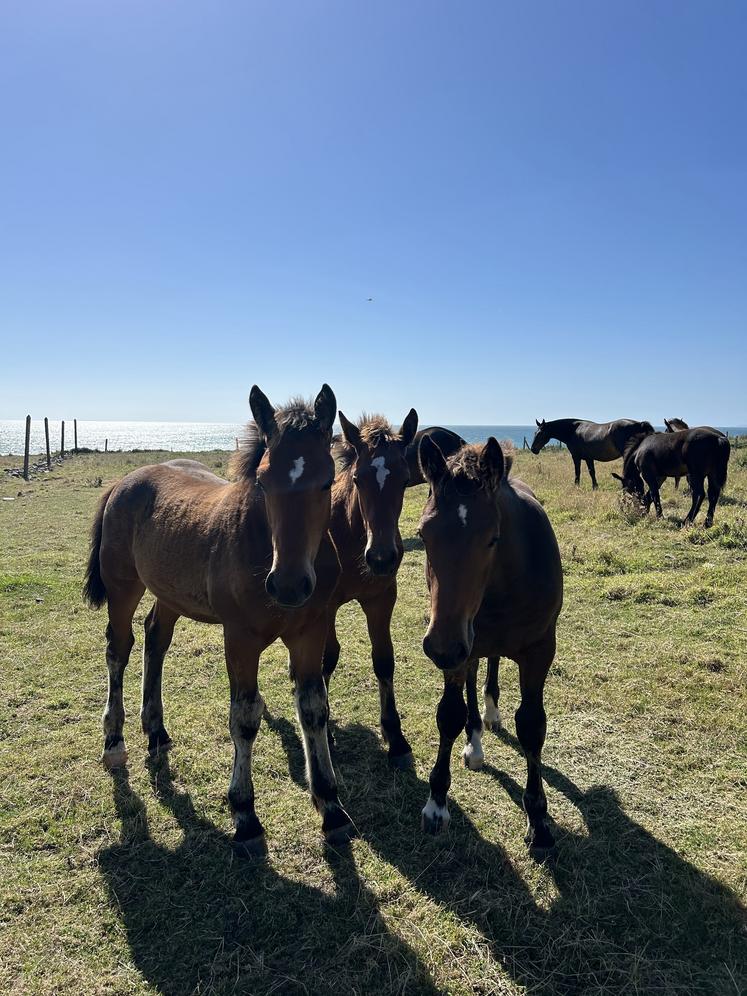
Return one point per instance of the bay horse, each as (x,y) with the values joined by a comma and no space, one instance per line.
(446,440)
(675,425)
(588,441)
(699,453)
(254,556)
(496,589)
(367,499)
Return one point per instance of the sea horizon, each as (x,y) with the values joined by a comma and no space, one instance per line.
(132,434)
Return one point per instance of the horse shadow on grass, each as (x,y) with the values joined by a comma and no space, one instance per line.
(629,914)
(620,911)
(200,919)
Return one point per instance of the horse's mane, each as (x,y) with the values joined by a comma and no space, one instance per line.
(465,463)
(374,430)
(645,429)
(295,416)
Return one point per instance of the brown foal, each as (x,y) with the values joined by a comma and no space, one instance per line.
(254,556)
(367,501)
(496,588)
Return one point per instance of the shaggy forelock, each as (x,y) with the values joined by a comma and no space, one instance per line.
(465,463)
(295,416)
(374,430)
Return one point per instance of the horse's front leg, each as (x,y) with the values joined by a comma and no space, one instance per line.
(450,717)
(472,752)
(306,650)
(576,469)
(378,613)
(247,707)
(592,474)
(491,716)
(329,661)
(531,726)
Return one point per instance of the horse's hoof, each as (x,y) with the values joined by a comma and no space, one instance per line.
(115,757)
(541,843)
(251,847)
(493,725)
(159,743)
(434,818)
(337,827)
(472,760)
(402,762)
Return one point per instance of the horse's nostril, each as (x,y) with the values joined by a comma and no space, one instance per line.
(307,587)
(270,585)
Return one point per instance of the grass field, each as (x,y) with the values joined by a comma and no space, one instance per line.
(128,884)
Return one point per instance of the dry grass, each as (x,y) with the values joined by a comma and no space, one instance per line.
(129,884)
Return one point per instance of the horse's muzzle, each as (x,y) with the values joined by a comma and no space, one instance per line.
(289,594)
(448,657)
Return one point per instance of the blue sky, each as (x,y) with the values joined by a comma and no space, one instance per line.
(547,203)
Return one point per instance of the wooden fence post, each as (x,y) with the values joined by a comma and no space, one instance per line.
(106,445)
(46,439)
(75,435)
(237,441)
(62,440)
(26,448)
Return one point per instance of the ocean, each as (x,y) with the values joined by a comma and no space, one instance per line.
(194,436)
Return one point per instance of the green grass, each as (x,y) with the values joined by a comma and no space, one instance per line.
(129,884)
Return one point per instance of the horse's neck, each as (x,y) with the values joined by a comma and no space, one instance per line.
(562,429)
(347,516)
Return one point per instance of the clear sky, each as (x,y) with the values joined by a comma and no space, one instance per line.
(547,203)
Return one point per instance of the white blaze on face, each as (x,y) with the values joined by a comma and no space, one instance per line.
(381,471)
(462,510)
(296,470)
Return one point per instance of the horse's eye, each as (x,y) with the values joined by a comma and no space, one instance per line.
(258,484)
(355,478)
(493,541)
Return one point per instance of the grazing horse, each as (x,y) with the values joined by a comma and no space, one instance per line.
(496,589)
(699,453)
(589,441)
(448,442)
(675,425)
(367,501)
(253,555)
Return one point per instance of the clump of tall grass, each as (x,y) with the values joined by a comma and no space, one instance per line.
(630,507)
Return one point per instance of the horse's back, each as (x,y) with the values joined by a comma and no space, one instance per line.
(446,440)
(195,469)
(526,592)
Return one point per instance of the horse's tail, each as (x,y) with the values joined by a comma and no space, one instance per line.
(94,590)
(722,466)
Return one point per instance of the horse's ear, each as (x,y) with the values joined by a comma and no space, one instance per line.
(263,412)
(409,427)
(668,425)
(325,408)
(492,463)
(431,460)
(351,433)
(538,422)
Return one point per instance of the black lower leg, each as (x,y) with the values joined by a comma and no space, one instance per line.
(391,724)
(451,716)
(531,724)
(247,709)
(157,640)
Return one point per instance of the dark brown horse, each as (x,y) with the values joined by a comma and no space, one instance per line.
(496,589)
(254,556)
(699,453)
(448,442)
(589,441)
(367,501)
(675,425)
